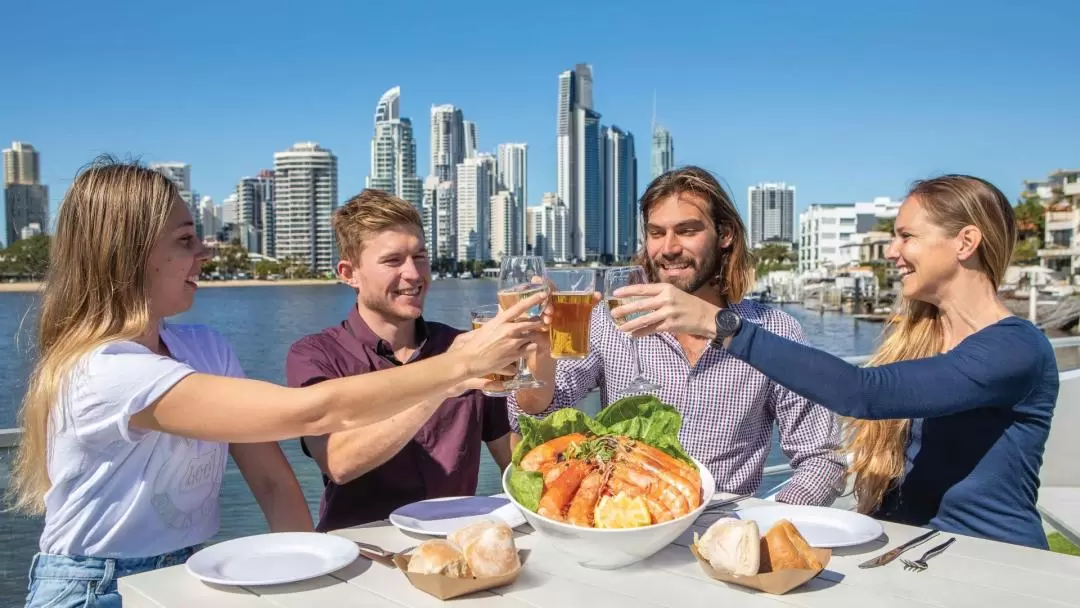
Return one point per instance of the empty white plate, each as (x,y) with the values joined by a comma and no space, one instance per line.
(441,516)
(272,559)
(822,527)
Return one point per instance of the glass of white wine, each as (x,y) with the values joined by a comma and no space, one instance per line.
(614,278)
(521,277)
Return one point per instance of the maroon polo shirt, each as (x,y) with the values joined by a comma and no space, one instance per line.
(442,459)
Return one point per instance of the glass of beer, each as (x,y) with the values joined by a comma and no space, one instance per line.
(497,386)
(520,277)
(572,304)
(615,278)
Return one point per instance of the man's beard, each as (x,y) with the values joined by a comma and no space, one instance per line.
(385,308)
(704,273)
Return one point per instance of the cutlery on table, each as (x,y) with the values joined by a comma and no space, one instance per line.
(920,564)
(378,554)
(885,558)
(717,506)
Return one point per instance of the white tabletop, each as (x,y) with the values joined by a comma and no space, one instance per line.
(973,572)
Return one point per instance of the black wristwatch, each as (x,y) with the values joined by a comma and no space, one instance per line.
(727,324)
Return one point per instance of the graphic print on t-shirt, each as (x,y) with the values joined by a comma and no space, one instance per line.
(186,489)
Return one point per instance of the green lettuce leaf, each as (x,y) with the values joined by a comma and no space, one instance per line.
(648,420)
(644,418)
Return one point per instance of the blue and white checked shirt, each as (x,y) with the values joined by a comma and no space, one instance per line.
(728,407)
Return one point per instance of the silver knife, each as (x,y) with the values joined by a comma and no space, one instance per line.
(885,558)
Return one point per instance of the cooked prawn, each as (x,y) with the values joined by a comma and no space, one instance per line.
(653,486)
(557,496)
(584,502)
(548,453)
(690,492)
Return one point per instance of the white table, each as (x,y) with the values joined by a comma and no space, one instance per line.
(973,572)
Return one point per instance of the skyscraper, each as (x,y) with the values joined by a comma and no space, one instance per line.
(180,174)
(663,151)
(22,164)
(26,200)
(513,176)
(771,213)
(503,210)
(578,162)
(549,230)
(393,151)
(620,194)
(256,213)
(471,145)
(474,190)
(209,214)
(447,141)
(306,194)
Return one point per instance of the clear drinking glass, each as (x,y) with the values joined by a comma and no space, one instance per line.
(497,386)
(572,305)
(520,277)
(614,278)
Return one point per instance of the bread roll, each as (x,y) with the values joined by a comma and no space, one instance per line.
(439,557)
(488,548)
(463,536)
(784,548)
(731,545)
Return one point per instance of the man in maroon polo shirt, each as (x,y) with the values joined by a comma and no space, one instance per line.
(431,450)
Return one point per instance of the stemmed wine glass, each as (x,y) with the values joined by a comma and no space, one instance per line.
(521,277)
(614,278)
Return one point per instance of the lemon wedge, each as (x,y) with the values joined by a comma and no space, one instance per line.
(621,511)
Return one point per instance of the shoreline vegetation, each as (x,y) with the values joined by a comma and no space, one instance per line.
(35,286)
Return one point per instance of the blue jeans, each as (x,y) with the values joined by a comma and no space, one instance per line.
(60,581)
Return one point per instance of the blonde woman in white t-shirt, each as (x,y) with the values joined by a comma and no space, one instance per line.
(127,419)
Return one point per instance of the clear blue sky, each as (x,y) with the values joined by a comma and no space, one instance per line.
(846,102)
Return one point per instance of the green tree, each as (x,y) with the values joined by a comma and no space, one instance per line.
(1031,217)
(28,258)
(773,256)
(885,225)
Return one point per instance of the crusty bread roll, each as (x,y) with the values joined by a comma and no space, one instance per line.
(783,548)
(439,557)
(731,545)
(488,548)
(463,536)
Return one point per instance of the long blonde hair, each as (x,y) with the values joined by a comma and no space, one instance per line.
(95,292)
(952,203)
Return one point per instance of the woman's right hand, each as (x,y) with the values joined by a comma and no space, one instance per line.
(501,341)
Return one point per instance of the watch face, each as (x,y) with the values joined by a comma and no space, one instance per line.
(727,323)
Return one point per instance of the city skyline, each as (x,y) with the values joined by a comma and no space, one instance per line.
(843,88)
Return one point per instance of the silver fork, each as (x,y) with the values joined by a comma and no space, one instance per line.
(920,564)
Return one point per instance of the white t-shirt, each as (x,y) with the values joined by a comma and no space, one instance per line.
(120,492)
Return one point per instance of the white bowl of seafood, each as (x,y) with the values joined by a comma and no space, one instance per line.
(609,491)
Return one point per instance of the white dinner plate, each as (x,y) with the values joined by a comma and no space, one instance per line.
(272,559)
(822,527)
(441,516)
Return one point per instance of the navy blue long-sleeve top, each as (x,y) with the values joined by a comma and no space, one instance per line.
(980,419)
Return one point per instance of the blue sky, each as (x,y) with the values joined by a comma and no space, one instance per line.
(846,100)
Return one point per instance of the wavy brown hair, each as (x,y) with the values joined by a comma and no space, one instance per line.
(953,202)
(735,264)
(95,292)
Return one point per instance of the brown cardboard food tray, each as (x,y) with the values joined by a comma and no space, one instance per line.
(446,587)
(776,583)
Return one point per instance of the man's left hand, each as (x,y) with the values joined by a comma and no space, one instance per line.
(667,308)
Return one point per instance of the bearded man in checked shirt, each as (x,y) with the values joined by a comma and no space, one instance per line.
(696,246)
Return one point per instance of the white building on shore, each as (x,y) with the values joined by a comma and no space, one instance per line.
(830,233)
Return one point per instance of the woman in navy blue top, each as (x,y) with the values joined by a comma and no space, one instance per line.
(948,423)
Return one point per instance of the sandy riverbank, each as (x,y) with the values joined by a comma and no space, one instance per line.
(29,287)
